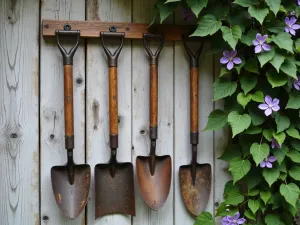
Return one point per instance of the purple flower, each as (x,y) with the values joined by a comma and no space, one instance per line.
(296,83)
(267,162)
(233,220)
(230,59)
(298,2)
(291,26)
(293,13)
(259,42)
(270,105)
(274,143)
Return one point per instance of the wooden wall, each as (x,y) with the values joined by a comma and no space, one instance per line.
(32,115)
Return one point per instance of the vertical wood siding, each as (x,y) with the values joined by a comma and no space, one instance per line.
(32,114)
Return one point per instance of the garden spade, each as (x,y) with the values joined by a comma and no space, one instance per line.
(154,172)
(195,179)
(71,182)
(114,184)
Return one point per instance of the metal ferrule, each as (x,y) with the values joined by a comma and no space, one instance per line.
(194,138)
(153,133)
(113,141)
(69,142)
(67,56)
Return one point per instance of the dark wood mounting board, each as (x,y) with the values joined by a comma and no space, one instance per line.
(92,29)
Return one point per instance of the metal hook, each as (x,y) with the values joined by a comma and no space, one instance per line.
(194,57)
(112,57)
(67,56)
(153,57)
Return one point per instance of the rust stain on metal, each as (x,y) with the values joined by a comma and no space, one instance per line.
(58,198)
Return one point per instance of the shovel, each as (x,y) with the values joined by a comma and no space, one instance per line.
(195,179)
(114,184)
(71,182)
(154,172)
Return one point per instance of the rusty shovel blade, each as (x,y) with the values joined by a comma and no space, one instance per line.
(71,198)
(154,188)
(114,194)
(195,196)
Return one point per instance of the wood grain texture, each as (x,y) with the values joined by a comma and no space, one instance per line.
(113,100)
(142,13)
(52,107)
(19,130)
(194,113)
(92,29)
(153,95)
(68,100)
(98,150)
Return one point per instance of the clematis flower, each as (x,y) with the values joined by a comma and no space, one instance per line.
(230,59)
(298,2)
(270,105)
(296,83)
(260,44)
(291,26)
(267,162)
(233,220)
(274,143)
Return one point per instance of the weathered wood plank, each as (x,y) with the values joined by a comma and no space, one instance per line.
(98,150)
(143,12)
(19,129)
(220,140)
(182,121)
(52,107)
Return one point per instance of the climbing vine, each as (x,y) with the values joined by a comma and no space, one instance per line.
(258,82)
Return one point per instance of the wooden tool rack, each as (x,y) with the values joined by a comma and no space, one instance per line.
(92,29)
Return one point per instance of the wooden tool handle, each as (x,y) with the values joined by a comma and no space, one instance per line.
(153,95)
(113,101)
(68,102)
(194,99)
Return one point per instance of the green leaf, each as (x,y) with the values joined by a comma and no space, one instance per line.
(290,192)
(258,13)
(276,79)
(246,3)
(243,100)
(272,219)
(165,10)
(205,218)
(224,71)
(280,137)
(265,196)
(231,152)
(240,66)
(239,168)
(248,82)
(253,130)
(280,154)
(259,152)
(223,88)
(258,96)
(294,172)
(268,134)
(252,66)
(276,26)
(274,5)
(294,101)
(289,68)
(216,120)
(297,44)
(208,25)
(265,57)
(197,5)
(232,36)
(271,175)
(277,61)
(295,144)
(294,156)
(248,38)
(253,205)
(238,122)
(283,40)
(283,122)
(234,197)
(250,215)
(292,132)
(253,192)
(257,116)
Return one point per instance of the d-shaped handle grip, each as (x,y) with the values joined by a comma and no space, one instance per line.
(153,56)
